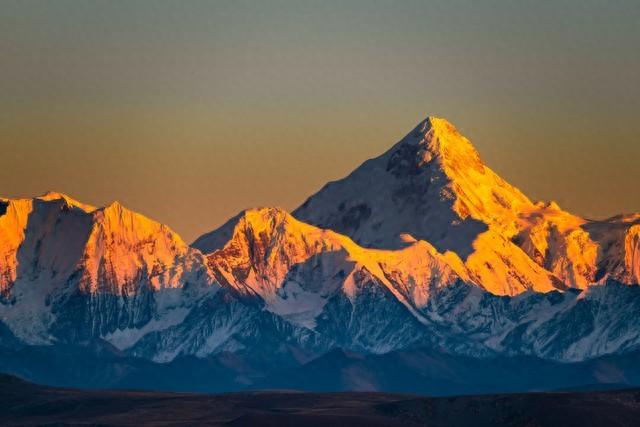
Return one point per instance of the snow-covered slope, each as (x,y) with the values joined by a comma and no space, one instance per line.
(70,270)
(381,300)
(433,186)
(423,246)
(300,272)
(41,241)
(581,252)
(45,233)
(126,250)
(618,240)
(557,241)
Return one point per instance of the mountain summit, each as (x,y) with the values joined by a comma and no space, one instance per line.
(433,186)
(437,137)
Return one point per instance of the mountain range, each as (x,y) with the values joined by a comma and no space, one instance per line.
(421,260)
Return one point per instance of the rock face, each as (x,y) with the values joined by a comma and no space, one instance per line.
(422,247)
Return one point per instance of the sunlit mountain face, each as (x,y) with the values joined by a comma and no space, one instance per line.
(422,259)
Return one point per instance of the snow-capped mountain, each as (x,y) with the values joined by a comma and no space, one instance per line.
(323,281)
(302,273)
(422,247)
(296,268)
(433,186)
(73,271)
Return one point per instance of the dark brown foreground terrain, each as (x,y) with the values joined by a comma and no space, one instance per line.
(26,404)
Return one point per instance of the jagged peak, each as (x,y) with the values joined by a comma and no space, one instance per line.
(52,195)
(276,225)
(268,221)
(55,195)
(432,185)
(263,216)
(263,222)
(257,218)
(114,210)
(117,208)
(119,218)
(114,206)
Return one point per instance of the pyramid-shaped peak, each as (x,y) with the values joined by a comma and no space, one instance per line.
(432,185)
(434,141)
(435,127)
(438,137)
(438,125)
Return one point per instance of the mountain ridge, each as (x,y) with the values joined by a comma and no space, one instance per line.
(421,247)
(455,202)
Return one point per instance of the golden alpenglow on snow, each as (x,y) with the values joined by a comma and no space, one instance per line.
(320,213)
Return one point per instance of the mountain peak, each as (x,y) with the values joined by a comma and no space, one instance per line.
(433,186)
(55,195)
(115,206)
(265,215)
(438,125)
(257,218)
(437,138)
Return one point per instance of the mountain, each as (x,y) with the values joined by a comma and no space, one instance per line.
(73,274)
(422,249)
(380,300)
(361,298)
(433,186)
(296,268)
(72,269)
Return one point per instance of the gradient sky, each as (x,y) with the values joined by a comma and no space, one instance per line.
(189,111)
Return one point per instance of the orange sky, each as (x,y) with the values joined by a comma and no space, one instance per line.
(191,111)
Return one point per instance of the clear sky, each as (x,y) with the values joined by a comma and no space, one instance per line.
(189,111)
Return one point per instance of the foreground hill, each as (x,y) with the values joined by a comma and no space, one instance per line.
(25,404)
